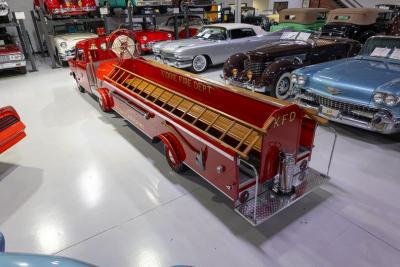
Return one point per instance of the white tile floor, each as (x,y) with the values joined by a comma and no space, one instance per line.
(86,185)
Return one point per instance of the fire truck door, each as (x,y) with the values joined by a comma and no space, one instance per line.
(91,76)
(81,75)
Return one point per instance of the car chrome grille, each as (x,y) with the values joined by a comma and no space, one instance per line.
(4,58)
(354,110)
(256,67)
(167,55)
(7,121)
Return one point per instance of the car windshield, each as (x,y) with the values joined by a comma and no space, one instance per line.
(305,36)
(5,39)
(385,47)
(211,33)
(193,21)
(61,29)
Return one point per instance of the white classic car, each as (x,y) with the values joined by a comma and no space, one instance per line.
(65,39)
(212,45)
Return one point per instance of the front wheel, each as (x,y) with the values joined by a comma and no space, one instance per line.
(282,86)
(178,167)
(199,64)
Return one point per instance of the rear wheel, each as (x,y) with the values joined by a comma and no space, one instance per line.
(177,166)
(282,86)
(199,64)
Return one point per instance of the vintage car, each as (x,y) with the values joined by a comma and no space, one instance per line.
(140,6)
(8,259)
(357,23)
(4,11)
(363,91)
(12,129)
(298,19)
(205,4)
(194,22)
(267,69)
(146,38)
(67,7)
(212,45)
(11,56)
(248,16)
(65,38)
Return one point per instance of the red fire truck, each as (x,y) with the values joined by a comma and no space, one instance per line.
(254,149)
(12,130)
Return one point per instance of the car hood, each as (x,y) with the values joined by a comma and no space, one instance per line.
(354,79)
(9,49)
(74,37)
(179,45)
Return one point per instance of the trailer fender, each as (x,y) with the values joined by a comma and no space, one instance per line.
(174,151)
(106,102)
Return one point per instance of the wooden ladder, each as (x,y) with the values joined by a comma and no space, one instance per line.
(231,132)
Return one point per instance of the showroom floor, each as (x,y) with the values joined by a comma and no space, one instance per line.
(86,185)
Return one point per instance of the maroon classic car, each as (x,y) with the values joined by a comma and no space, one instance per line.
(267,69)
(11,56)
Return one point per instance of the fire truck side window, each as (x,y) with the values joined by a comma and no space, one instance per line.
(80,55)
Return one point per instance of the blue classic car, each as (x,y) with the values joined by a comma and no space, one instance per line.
(32,260)
(363,91)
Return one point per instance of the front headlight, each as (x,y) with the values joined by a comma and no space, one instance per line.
(169,35)
(301,80)
(144,38)
(387,99)
(293,78)
(63,45)
(391,100)
(379,98)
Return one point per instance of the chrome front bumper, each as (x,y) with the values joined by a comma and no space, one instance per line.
(246,85)
(174,62)
(12,64)
(153,3)
(375,122)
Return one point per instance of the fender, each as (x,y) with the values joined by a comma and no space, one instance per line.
(234,62)
(275,70)
(174,146)
(105,100)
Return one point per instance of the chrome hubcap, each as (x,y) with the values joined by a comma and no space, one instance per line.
(283,87)
(199,63)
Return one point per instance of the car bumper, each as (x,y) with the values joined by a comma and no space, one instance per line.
(381,121)
(66,56)
(12,65)
(174,62)
(153,3)
(246,85)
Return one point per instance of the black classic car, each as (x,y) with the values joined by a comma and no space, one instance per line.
(267,69)
(358,23)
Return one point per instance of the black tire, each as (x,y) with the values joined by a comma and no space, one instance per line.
(199,64)
(176,167)
(282,86)
(102,107)
(22,70)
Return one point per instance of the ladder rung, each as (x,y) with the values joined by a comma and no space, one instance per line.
(149,94)
(201,114)
(177,105)
(166,101)
(250,146)
(212,123)
(244,138)
(190,107)
(144,88)
(114,74)
(227,130)
(155,100)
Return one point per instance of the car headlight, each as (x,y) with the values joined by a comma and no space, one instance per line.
(144,38)
(391,100)
(63,45)
(387,99)
(379,98)
(293,78)
(301,80)
(169,35)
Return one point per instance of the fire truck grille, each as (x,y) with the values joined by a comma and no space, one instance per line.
(338,105)
(7,121)
(257,68)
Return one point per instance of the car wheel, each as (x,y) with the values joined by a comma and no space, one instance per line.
(178,167)
(282,86)
(199,64)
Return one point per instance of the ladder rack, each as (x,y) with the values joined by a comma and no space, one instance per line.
(231,132)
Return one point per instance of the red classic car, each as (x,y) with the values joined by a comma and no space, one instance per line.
(145,39)
(195,23)
(11,56)
(12,130)
(67,7)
